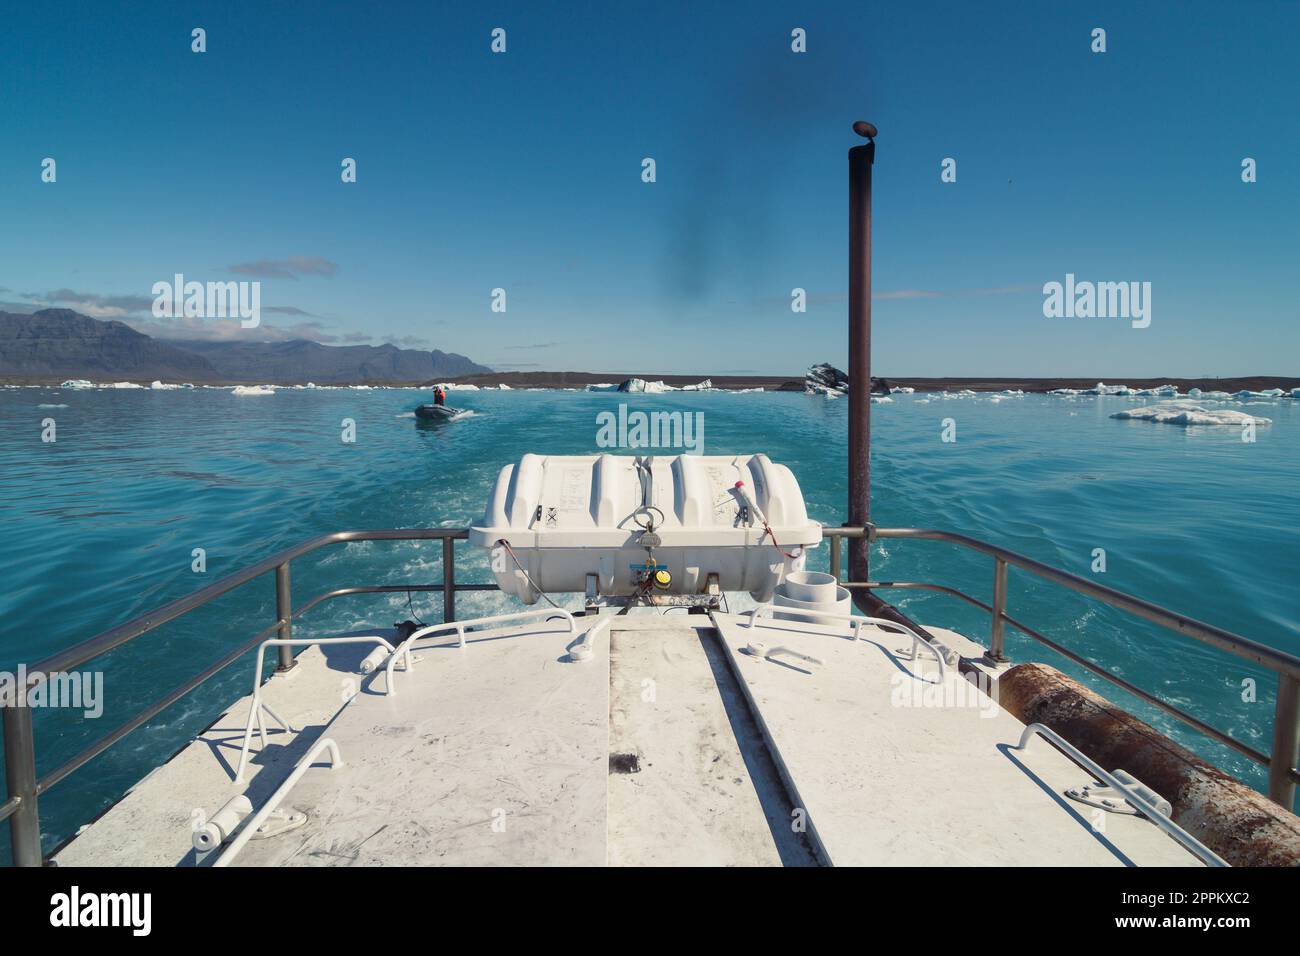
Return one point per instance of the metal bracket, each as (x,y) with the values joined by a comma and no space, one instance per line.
(279,821)
(1112,800)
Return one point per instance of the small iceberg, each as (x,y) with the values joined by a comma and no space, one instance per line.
(602,387)
(640,385)
(252,390)
(76,383)
(1189,413)
(704,386)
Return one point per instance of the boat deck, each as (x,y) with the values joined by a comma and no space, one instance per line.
(670,746)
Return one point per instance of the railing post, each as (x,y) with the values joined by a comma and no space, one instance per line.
(997,635)
(448,580)
(835,556)
(20,773)
(284,612)
(1286,740)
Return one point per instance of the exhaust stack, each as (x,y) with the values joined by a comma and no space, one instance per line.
(861,159)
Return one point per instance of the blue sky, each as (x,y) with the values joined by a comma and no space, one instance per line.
(522,171)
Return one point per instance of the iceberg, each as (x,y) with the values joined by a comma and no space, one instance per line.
(642,386)
(252,390)
(76,383)
(1189,413)
(1101,388)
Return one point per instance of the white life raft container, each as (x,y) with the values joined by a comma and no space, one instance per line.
(741,518)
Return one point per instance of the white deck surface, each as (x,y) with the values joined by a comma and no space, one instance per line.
(495,753)
(499,753)
(931,785)
(706,792)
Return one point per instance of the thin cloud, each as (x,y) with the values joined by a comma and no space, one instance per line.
(905,294)
(898,295)
(93,304)
(230,330)
(291,268)
(406,341)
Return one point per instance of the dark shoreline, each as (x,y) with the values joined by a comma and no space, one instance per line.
(775,383)
(787,383)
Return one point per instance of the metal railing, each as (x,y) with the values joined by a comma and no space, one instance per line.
(19,742)
(1282,773)
(25,787)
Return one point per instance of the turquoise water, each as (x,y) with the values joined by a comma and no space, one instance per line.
(99,526)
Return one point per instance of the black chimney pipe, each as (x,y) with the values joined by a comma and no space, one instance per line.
(861,159)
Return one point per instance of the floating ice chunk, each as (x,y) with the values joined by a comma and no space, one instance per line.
(1189,413)
(252,390)
(1101,388)
(640,385)
(901,390)
(76,383)
(881,400)
(122,385)
(704,386)
(1065,391)
(602,387)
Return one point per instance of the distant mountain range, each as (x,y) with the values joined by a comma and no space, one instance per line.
(62,344)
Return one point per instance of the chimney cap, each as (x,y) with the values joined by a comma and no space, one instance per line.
(865,129)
